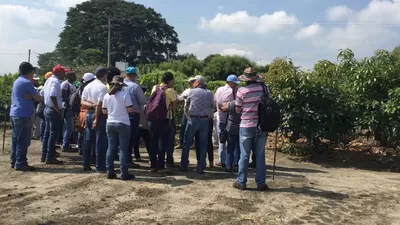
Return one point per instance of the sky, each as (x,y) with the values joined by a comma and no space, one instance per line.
(304,30)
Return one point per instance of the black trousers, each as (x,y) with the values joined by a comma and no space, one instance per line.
(145,135)
(210,147)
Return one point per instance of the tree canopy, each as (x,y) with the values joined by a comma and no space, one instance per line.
(137,34)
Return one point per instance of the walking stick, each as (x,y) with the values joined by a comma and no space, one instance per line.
(275,149)
(4,129)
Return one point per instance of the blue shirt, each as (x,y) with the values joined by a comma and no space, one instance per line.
(20,106)
(137,96)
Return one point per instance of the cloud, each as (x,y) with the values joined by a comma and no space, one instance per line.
(241,22)
(64,4)
(235,51)
(309,32)
(339,13)
(22,15)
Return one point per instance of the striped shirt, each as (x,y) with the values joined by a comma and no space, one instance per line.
(200,102)
(248,99)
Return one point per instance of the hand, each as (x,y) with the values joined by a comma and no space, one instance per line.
(224,107)
(28,96)
(94,124)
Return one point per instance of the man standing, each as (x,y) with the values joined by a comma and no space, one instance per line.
(52,114)
(68,88)
(250,136)
(183,97)
(222,95)
(36,119)
(138,101)
(22,108)
(159,112)
(95,125)
(199,108)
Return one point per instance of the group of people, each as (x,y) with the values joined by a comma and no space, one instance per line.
(108,113)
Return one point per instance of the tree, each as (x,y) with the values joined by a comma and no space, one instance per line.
(396,52)
(134,28)
(219,67)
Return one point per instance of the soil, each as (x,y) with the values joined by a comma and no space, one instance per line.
(302,193)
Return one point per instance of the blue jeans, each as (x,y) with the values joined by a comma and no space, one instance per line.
(101,143)
(171,142)
(89,139)
(118,134)
(198,128)
(68,127)
(42,128)
(252,138)
(52,131)
(80,138)
(21,139)
(135,120)
(183,129)
(232,151)
(210,147)
(222,146)
(158,134)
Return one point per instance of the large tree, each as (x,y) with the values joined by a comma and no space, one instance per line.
(133,28)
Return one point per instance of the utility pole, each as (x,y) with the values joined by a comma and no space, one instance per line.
(109,44)
(29,56)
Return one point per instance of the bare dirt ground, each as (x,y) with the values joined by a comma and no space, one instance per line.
(303,193)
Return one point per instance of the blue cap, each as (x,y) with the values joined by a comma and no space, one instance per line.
(131,70)
(101,72)
(233,78)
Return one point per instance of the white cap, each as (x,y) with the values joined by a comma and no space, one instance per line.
(35,77)
(200,79)
(88,77)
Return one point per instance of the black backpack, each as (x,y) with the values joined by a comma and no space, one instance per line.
(75,101)
(269,112)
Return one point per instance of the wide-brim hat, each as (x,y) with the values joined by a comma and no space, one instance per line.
(250,75)
(118,80)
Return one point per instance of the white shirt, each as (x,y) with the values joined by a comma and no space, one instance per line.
(94,92)
(184,95)
(52,88)
(72,88)
(116,106)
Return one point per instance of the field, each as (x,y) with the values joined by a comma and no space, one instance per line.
(302,193)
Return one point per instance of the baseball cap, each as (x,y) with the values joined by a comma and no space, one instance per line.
(48,75)
(101,72)
(200,78)
(233,78)
(130,70)
(59,68)
(88,77)
(36,77)
(26,68)
(191,79)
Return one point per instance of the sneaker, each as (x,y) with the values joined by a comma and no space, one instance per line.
(211,164)
(111,176)
(69,149)
(128,177)
(178,147)
(239,186)
(57,154)
(54,162)
(25,168)
(101,171)
(228,170)
(221,164)
(263,187)
(43,159)
(87,169)
(200,171)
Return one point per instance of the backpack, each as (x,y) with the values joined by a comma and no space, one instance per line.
(40,110)
(156,108)
(269,113)
(75,101)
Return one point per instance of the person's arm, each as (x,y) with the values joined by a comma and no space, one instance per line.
(239,101)
(104,106)
(187,105)
(142,100)
(32,93)
(54,92)
(84,102)
(99,106)
(172,95)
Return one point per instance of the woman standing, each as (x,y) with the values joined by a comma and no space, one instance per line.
(117,105)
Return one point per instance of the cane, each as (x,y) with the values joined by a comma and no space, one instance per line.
(5,124)
(275,149)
